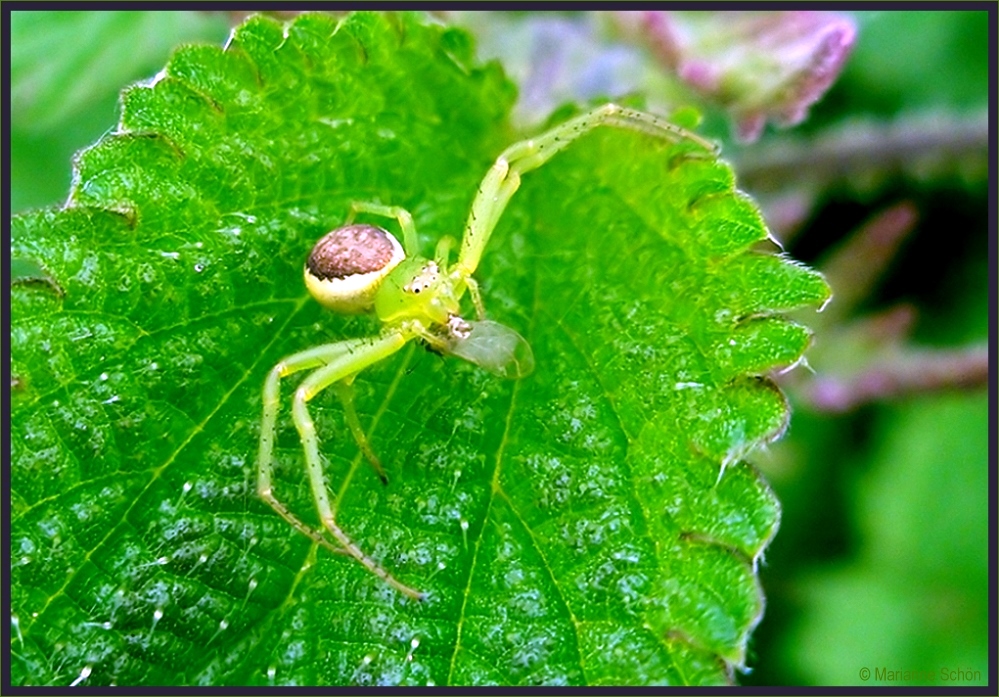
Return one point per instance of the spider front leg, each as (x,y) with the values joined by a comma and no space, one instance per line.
(409,239)
(334,363)
(442,257)
(503,178)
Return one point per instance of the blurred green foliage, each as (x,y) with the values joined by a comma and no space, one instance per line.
(904,61)
(882,557)
(66,70)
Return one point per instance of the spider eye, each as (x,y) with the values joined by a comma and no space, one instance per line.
(347,266)
(426,278)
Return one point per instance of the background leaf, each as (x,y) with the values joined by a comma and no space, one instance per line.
(921,556)
(881,558)
(66,70)
(590,524)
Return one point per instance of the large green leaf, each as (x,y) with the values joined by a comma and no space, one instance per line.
(592,523)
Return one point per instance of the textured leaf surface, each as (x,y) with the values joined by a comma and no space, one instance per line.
(589,524)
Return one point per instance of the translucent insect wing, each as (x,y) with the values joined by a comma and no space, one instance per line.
(497,348)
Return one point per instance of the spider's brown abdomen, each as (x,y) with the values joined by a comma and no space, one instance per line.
(347,266)
(350,250)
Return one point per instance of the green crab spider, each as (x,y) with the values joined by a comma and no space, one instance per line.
(362,268)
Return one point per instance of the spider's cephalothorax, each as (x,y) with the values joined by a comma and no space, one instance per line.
(361,268)
(417,289)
